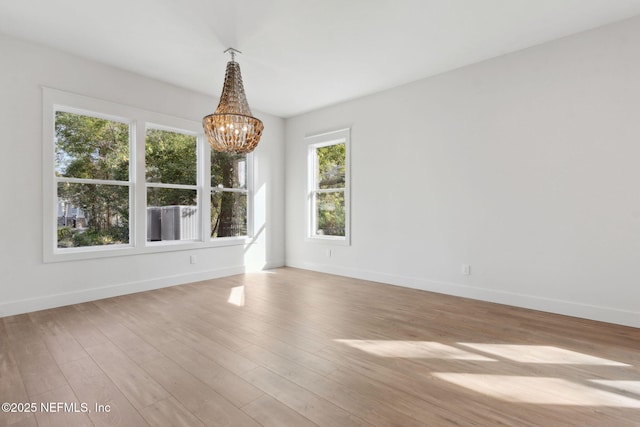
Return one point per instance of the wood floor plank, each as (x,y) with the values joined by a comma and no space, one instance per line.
(52,415)
(308,404)
(375,411)
(226,383)
(27,420)
(424,403)
(85,333)
(139,388)
(231,360)
(91,385)
(422,390)
(283,349)
(60,343)
(39,371)
(11,386)
(146,324)
(12,389)
(169,413)
(4,338)
(271,413)
(200,399)
(135,346)
(308,348)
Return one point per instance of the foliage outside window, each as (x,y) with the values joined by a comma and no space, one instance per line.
(120,180)
(329,186)
(92,179)
(172,194)
(228,194)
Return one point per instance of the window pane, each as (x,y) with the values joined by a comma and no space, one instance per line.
(330,214)
(228,214)
(171,157)
(92,215)
(172,214)
(92,148)
(331,166)
(228,170)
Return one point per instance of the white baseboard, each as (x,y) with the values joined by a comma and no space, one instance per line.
(568,308)
(59,300)
(269,265)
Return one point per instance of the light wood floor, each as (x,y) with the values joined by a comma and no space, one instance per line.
(295,348)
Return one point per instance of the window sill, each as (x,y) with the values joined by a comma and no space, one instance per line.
(100,252)
(329,240)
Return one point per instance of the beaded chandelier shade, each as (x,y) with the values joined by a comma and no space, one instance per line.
(232,128)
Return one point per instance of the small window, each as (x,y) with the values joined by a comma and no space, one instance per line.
(92,180)
(229,194)
(172,193)
(329,186)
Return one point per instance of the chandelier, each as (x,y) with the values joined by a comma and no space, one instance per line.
(232,128)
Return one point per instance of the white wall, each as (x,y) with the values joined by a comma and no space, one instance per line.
(526,167)
(26,283)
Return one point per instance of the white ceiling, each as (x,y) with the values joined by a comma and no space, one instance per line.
(300,55)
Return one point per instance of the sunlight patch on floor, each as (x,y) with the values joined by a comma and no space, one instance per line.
(624,385)
(236,297)
(541,354)
(413,349)
(542,391)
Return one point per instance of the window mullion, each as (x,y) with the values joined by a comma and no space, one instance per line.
(250,200)
(91,181)
(139,220)
(176,186)
(228,190)
(329,190)
(204,177)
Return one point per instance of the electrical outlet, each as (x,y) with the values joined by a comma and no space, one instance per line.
(466,269)
(193,259)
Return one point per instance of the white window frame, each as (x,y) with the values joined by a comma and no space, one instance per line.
(139,120)
(197,187)
(342,136)
(58,179)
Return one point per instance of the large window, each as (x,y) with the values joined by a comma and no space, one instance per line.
(329,186)
(92,180)
(120,180)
